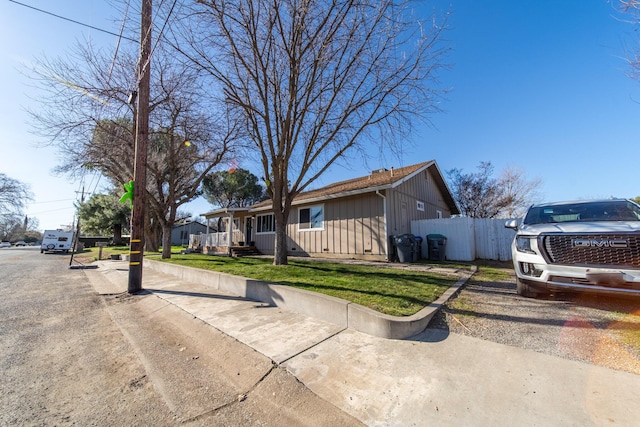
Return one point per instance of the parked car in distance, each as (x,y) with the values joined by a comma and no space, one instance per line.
(20,243)
(583,246)
(5,245)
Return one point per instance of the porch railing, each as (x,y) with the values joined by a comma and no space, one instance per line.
(214,239)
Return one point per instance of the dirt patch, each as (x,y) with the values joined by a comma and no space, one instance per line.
(596,329)
(72,357)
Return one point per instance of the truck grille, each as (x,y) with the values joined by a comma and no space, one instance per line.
(620,250)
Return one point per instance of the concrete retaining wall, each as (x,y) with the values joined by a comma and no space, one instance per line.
(323,307)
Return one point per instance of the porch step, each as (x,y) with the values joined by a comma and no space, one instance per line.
(239,251)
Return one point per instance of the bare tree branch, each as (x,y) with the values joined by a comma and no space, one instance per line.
(314,80)
(87,116)
(480,195)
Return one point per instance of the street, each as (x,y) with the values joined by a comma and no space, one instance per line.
(72,357)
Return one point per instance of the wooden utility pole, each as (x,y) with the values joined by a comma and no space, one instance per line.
(136,251)
(74,243)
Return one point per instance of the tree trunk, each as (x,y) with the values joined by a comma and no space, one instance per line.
(117,234)
(152,236)
(280,248)
(166,241)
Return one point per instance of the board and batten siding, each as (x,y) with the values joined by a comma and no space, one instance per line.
(353,226)
(403,203)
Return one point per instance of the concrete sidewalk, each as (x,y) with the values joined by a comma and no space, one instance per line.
(434,378)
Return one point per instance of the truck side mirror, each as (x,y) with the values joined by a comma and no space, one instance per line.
(512,223)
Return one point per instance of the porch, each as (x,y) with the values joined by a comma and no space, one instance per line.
(229,232)
(222,244)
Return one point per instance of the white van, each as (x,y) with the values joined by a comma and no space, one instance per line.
(56,240)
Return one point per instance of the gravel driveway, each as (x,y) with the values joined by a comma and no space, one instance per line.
(595,329)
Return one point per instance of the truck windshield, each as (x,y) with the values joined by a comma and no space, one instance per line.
(614,210)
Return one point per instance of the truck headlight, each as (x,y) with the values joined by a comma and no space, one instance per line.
(523,244)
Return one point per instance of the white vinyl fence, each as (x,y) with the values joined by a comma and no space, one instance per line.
(468,239)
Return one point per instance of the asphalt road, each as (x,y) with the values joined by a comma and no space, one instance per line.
(71,357)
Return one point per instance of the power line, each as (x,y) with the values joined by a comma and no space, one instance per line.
(115,54)
(148,34)
(50,201)
(75,22)
(32,214)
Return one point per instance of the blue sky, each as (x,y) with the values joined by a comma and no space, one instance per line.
(540,85)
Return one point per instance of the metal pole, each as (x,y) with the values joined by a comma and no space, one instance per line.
(136,251)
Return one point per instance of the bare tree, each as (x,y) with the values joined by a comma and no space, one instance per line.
(518,191)
(480,195)
(88,116)
(315,80)
(13,195)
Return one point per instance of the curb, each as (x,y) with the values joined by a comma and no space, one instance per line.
(330,309)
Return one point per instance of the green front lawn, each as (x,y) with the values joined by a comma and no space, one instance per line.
(396,292)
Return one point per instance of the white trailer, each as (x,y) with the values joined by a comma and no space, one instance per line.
(56,241)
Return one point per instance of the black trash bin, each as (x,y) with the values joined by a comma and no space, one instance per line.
(405,244)
(417,250)
(436,244)
(393,249)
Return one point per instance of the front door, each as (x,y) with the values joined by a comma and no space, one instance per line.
(248,226)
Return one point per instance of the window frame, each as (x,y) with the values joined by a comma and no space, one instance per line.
(310,227)
(258,223)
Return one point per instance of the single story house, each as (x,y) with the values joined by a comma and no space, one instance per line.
(181,231)
(349,219)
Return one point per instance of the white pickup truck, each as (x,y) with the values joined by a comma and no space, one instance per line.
(585,246)
(56,241)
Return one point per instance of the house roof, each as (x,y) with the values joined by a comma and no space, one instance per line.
(378,180)
(221,211)
(187,223)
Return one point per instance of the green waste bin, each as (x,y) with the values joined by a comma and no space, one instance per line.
(436,244)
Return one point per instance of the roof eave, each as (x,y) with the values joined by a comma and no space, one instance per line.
(221,211)
(327,197)
(412,174)
(445,190)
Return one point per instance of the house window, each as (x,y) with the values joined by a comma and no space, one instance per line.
(438,214)
(420,206)
(224,225)
(311,218)
(265,224)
